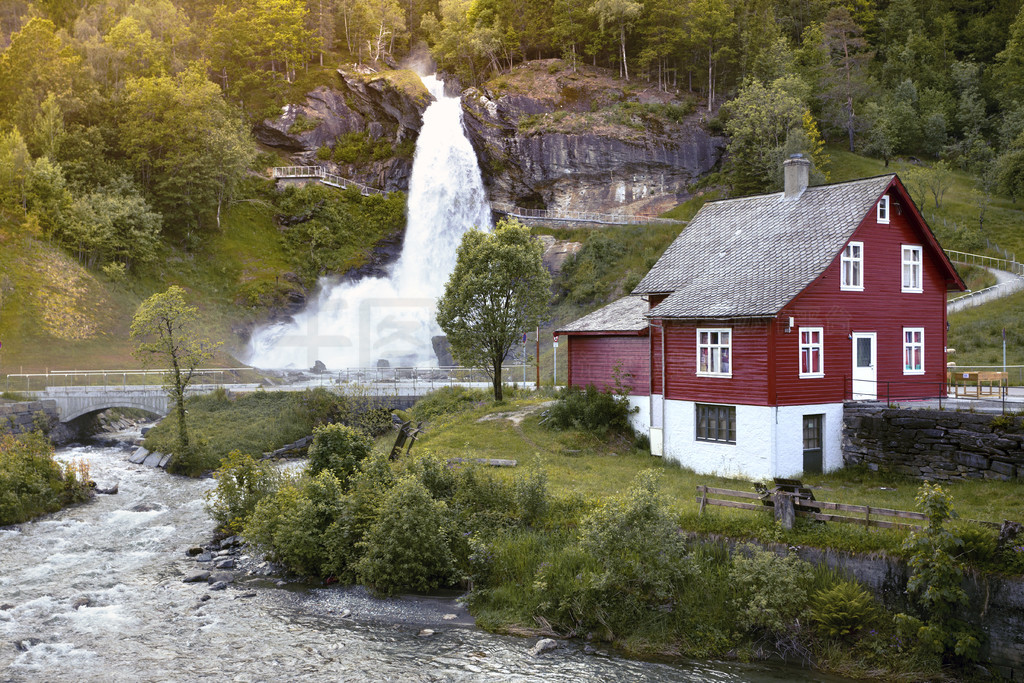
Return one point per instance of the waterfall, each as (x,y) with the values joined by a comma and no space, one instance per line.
(355,324)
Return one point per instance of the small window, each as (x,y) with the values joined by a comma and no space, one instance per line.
(714,352)
(811,352)
(912,269)
(883,209)
(852,265)
(913,350)
(716,423)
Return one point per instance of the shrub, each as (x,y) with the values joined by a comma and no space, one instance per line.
(114,271)
(290,526)
(935,586)
(194,459)
(242,482)
(32,482)
(303,124)
(769,591)
(630,558)
(407,546)
(591,410)
(340,449)
(842,609)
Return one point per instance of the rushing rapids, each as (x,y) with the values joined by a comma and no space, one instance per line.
(95,593)
(355,324)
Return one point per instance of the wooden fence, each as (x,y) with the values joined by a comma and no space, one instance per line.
(864,515)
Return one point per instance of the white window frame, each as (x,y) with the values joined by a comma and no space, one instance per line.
(856,265)
(811,348)
(714,347)
(882,211)
(916,268)
(725,430)
(913,339)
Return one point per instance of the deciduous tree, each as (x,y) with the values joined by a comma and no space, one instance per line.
(498,290)
(164,328)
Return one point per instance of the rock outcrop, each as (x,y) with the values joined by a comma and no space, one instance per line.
(385,107)
(549,137)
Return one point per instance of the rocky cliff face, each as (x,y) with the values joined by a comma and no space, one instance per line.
(549,137)
(382,110)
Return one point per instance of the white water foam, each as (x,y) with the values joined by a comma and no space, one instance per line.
(355,324)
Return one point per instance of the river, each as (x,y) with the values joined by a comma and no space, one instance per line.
(124,555)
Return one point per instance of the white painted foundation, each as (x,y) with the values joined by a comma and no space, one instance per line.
(769,440)
(640,420)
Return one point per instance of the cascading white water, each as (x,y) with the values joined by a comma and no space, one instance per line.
(354,324)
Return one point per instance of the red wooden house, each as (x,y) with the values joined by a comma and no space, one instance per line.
(766,314)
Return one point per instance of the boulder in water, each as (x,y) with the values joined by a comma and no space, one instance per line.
(196,577)
(543,645)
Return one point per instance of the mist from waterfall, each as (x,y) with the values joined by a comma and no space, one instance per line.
(355,324)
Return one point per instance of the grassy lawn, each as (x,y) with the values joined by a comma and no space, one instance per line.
(580,464)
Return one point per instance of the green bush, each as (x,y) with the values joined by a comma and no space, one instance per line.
(291,526)
(407,547)
(599,412)
(842,609)
(193,460)
(630,559)
(32,482)
(769,591)
(339,449)
(303,124)
(242,482)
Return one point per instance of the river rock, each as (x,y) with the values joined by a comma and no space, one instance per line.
(24,644)
(6,606)
(145,507)
(226,563)
(81,602)
(425,633)
(218,585)
(221,577)
(204,557)
(193,551)
(108,490)
(153,459)
(230,542)
(196,577)
(543,645)
(138,456)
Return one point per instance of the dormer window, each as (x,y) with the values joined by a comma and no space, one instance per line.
(912,268)
(852,267)
(883,209)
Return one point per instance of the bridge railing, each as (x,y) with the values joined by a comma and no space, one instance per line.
(110,379)
(409,381)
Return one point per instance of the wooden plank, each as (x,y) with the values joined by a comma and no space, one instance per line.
(861,509)
(732,504)
(729,492)
(825,517)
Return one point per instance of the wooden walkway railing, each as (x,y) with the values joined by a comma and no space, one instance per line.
(320,174)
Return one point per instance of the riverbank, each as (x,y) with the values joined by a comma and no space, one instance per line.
(95,593)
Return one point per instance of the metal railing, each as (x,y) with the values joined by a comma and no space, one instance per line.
(929,393)
(408,381)
(111,379)
(321,174)
(1007,264)
(581,216)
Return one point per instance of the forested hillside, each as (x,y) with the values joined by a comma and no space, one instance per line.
(127,153)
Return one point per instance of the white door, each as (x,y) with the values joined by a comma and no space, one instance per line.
(865,374)
(657,424)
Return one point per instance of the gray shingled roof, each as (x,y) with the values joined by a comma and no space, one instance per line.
(623,315)
(748,257)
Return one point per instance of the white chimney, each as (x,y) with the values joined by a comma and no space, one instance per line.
(797,172)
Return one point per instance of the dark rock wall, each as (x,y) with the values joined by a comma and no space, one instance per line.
(586,171)
(933,444)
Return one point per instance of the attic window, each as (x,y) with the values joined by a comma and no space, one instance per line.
(852,267)
(883,209)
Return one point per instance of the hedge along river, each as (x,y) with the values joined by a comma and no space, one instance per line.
(95,592)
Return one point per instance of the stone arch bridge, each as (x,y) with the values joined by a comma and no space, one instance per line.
(74,402)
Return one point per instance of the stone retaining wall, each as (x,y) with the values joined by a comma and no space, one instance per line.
(24,416)
(933,444)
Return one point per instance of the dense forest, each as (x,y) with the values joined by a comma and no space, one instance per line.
(123,124)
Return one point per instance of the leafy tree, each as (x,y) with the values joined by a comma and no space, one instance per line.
(762,120)
(1009,66)
(114,223)
(164,328)
(498,290)
(621,14)
(186,146)
(15,170)
(843,82)
(712,31)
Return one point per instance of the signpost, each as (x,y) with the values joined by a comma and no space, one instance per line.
(554,356)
